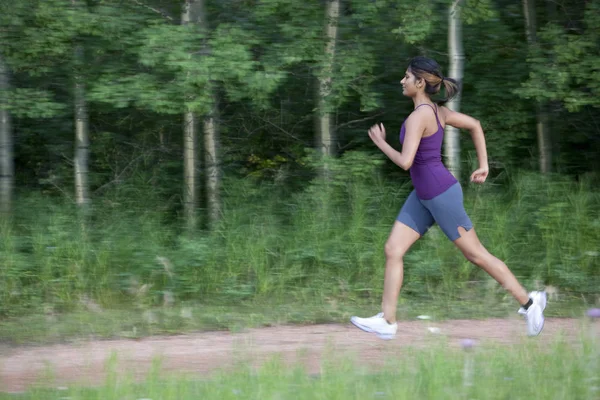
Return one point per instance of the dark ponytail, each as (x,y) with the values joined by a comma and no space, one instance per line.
(452,88)
(429,70)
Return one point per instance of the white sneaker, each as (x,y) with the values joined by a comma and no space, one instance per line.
(534,315)
(376,324)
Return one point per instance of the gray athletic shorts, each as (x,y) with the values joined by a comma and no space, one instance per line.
(446,209)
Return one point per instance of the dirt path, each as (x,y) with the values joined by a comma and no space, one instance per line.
(203,353)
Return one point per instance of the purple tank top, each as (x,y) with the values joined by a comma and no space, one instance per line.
(428,174)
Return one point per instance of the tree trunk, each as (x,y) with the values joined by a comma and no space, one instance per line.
(194,13)
(81,131)
(211,164)
(543,131)
(81,144)
(544,141)
(6,143)
(190,140)
(211,139)
(326,140)
(455,49)
(189,169)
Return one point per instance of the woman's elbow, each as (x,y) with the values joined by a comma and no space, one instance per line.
(405,165)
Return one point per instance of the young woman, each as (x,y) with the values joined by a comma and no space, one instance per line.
(437,197)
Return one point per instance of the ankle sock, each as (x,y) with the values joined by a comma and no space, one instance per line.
(528,304)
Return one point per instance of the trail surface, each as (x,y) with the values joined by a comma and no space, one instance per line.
(85,362)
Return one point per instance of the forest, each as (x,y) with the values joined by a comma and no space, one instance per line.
(156,153)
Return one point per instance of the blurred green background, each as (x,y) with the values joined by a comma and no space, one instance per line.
(206,197)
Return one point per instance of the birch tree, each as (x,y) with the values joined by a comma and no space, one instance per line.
(6,142)
(20,50)
(326,140)
(190,15)
(185,63)
(543,132)
(194,12)
(190,140)
(211,135)
(81,128)
(212,166)
(456,53)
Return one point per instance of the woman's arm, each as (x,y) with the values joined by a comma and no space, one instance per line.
(463,121)
(415,126)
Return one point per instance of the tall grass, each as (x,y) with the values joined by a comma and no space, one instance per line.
(524,371)
(324,242)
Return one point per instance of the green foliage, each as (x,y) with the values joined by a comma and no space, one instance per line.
(474,11)
(354,75)
(564,65)
(493,72)
(325,241)
(417,21)
(285,229)
(233,64)
(33,103)
(183,69)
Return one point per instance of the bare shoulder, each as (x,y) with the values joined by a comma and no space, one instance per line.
(457,119)
(421,115)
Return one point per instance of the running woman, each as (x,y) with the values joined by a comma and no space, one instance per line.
(437,197)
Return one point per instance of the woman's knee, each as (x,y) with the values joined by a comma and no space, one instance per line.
(477,256)
(394,251)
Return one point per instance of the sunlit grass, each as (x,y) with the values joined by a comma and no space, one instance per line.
(443,370)
(315,250)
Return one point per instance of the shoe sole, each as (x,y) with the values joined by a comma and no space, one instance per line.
(540,331)
(383,336)
(360,326)
(543,307)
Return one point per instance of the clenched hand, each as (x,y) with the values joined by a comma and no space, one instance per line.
(480,175)
(377,133)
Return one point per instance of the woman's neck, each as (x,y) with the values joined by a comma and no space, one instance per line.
(421,98)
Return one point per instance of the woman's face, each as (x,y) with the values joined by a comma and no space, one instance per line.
(409,84)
